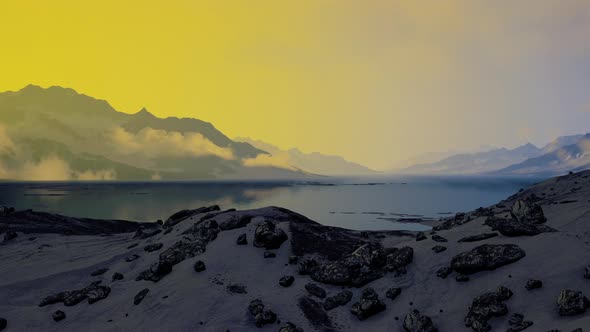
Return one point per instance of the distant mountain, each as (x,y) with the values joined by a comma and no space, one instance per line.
(559,160)
(561,142)
(66,135)
(475,163)
(314,162)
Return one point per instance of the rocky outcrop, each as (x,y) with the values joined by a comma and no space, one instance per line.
(458,220)
(337,300)
(416,322)
(572,303)
(269,236)
(235,222)
(93,293)
(513,227)
(486,257)
(479,237)
(486,306)
(420,236)
(205,230)
(153,247)
(368,305)
(308,266)
(397,259)
(527,212)
(261,317)
(185,214)
(140,296)
(156,272)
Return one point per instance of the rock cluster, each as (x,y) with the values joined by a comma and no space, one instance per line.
(416,322)
(337,300)
(486,306)
(261,316)
(93,293)
(269,236)
(368,305)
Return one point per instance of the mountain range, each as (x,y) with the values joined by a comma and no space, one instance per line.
(58,134)
(564,154)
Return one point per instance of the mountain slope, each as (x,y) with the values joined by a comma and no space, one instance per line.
(314,162)
(139,146)
(474,163)
(574,157)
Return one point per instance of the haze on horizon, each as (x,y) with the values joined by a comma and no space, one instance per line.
(376,82)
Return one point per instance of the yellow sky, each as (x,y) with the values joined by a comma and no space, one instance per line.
(374,81)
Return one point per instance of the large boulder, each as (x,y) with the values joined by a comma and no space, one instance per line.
(269,236)
(486,306)
(572,303)
(486,257)
(368,305)
(416,322)
(528,212)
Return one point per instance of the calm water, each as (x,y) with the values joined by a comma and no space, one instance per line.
(351,203)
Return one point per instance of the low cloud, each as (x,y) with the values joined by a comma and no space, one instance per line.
(155,143)
(280,160)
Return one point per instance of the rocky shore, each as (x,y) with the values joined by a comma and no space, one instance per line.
(520,265)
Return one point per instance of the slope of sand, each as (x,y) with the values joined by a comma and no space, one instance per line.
(38,265)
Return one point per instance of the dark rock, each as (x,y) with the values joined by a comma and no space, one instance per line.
(587,272)
(160,222)
(337,300)
(527,212)
(182,250)
(237,289)
(439,238)
(3,324)
(444,272)
(364,265)
(185,214)
(156,272)
(420,236)
(269,254)
(290,327)
(261,316)
(458,220)
(205,231)
(462,278)
(153,247)
(399,258)
(533,284)
(59,316)
(144,234)
(199,266)
(293,260)
(486,257)
(118,276)
(93,292)
(393,293)
(517,323)
(140,296)
(315,290)
(99,272)
(486,306)
(131,258)
(572,303)
(10,235)
(269,236)
(438,249)
(513,227)
(479,237)
(315,313)
(308,266)
(368,305)
(242,240)
(286,281)
(416,322)
(133,246)
(235,222)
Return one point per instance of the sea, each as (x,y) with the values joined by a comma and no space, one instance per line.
(384,203)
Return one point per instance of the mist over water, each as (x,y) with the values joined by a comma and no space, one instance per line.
(356,203)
